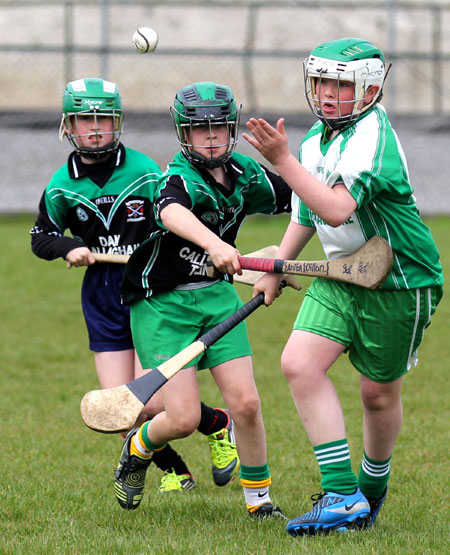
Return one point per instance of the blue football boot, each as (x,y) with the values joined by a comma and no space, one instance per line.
(332,511)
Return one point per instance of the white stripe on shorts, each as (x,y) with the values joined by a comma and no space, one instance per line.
(413,357)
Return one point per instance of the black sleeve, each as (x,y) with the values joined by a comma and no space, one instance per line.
(282,190)
(173,191)
(46,240)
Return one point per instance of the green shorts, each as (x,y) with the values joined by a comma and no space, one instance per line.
(167,323)
(382,330)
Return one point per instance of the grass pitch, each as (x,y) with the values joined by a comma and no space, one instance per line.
(56,479)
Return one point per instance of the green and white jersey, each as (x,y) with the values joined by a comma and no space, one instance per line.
(166,261)
(367,157)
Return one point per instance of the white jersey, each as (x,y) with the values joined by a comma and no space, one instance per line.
(368,159)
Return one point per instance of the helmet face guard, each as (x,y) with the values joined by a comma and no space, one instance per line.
(350,60)
(96,98)
(205,104)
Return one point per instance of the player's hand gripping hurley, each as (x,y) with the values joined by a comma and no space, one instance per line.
(116,409)
(368,267)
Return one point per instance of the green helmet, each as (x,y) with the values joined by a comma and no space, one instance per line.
(210,104)
(91,97)
(348,59)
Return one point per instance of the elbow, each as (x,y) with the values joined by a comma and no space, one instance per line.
(337,217)
(35,246)
(165,216)
(334,221)
(340,210)
(163,219)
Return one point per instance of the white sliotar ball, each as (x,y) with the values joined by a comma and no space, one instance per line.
(145,39)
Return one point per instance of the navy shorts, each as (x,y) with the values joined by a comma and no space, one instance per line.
(107,319)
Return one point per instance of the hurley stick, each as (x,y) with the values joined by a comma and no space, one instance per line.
(116,409)
(367,267)
(247,277)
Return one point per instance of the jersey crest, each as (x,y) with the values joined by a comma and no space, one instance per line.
(135,210)
(81,215)
(210,218)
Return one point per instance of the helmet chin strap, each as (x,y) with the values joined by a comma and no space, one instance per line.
(98,154)
(336,125)
(209,163)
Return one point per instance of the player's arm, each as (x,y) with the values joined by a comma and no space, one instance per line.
(181,221)
(295,238)
(333,205)
(47,239)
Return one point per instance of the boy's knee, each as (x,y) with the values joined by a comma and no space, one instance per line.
(291,366)
(378,396)
(248,409)
(185,425)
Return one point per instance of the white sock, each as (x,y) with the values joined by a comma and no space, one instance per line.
(137,447)
(255,496)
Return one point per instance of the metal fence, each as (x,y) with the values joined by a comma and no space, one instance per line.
(256,47)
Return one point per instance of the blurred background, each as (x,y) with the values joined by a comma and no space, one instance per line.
(255,47)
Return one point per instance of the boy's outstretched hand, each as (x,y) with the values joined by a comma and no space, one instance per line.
(270,142)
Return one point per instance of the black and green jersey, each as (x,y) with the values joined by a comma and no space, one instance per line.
(368,159)
(108,216)
(166,260)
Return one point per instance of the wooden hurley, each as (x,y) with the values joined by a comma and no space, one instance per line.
(247,277)
(367,267)
(116,409)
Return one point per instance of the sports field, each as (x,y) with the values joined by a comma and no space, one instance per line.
(56,476)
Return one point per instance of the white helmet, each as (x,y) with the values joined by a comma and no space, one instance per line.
(349,59)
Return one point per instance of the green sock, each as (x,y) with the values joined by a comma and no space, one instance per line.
(256,481)
(374,476)
(336,467)
(254,473)
(147,441)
